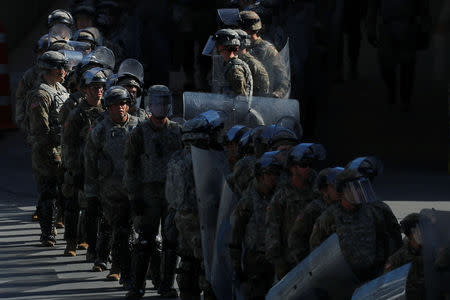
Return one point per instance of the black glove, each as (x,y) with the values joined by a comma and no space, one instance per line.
(137,206)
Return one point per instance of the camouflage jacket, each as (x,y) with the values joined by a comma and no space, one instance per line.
(248,224)
(286,204)
(243,173)
(357,232)
(69,105)
(104,159)
(238,78)
(76,129)
(298,241)
(147,152)
(259,75)
(180,195)
(415,284)
(268,55)
(45,103)
(139,113)
(29,81)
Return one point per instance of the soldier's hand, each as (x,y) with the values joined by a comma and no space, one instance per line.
(277,94)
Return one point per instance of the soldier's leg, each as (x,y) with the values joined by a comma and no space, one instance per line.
(92,218)
(60,205)
(121,250)
(407,77)
(169,250)
(154,269)
(188,273)
(46,209)
(205,285)
(260,276)
(71,222)
(103,244)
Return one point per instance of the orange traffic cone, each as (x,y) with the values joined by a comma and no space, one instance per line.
(6,119)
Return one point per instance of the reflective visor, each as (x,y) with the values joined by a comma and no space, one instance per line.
(160,105)
(359,191)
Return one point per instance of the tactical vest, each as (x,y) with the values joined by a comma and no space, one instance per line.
(257,79)
(357,237)
(247,74)
(256,230)
(112,164)
(159,145)
(58,96)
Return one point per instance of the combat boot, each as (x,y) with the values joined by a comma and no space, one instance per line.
(154,269)
(139,265)
(47,222)
(169,262)
(71,248)
(34,217)
(113,273)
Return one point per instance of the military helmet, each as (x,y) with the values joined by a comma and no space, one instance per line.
(159,101)
(195,129)
(83,8)
(246,143)
(244,38)
(409,222)
(292,124)
(60,16)
(268,162)
(42,43)
(250,20)
(227,38)
(60,45)
(369,166)
(235,133)
(306,153)
(51,60)
(90,35)
(283,136)
(326,177)
(116,94)
(94,76)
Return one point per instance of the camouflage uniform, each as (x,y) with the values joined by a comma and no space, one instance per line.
(104,165)
(266,53)
(243,173)
(286,204)
(358,238)
(147,152)
(298,241)
(259,74)
(415,284)
(28,82)
(75,134)
(238,77)
(248,229)
(139,113)
(45,103)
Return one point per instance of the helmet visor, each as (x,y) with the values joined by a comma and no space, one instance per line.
(359,191)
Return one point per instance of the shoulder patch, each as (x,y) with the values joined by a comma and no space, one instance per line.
(34,104)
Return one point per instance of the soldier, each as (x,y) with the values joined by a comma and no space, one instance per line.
(90,35)
(266,53)
(259,72)
(147,152)
(325,185)
(238,77)
(60,16)
(289,200)
(76,129)
(397,43)
(410,252)
(180,191)
(104,164)
(232,138)
(84,14)
(248,230)
(45,103)
(131,77)
(361,233)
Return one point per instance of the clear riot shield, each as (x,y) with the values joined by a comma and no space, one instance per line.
(82,47)
(241,110)
(325,272)
(131,67)
(222,268)
(209,168)
(73,57)
(101,55)
(434,232)
(285,60)
(59,32)
(218,72)
(210,47)
(228,17)
(390,286)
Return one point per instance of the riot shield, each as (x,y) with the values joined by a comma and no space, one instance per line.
(434,229)
(209,168)
(73,57)
(218,74)
(228,17)
(324,272)
(101,55)
(210,47)
(285,60)
(251,111)
(390,286)
(90,74)
(291,123)
(131,67)
(222,268)
(82,47)
(59,32)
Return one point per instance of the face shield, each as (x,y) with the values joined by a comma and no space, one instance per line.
(359,191)
(159,105)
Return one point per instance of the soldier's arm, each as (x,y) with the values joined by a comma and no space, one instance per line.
(71,140)
(274,217)
(187,222)
(264,85)
(236,77)
(241,216)
(91,156)
(322,229)
(133,151)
